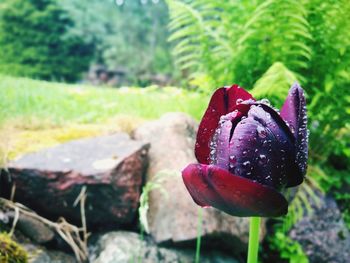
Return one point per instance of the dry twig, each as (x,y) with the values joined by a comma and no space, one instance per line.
(70,233)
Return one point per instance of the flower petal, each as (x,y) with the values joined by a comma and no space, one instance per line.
(262,149)
(210,185)
(223,101)
(294,113)
(294,174)
(220,142)
(219,145)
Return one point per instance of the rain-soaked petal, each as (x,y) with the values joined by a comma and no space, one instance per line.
(220,142)
(261,149)
(219,146)
(294,113)
(210,185)
(223,101)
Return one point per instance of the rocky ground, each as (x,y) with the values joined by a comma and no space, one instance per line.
(109,173)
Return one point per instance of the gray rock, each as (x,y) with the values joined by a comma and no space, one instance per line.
(121,247)
(323,235)
(30,227)
(111,167)
(36,230)
(174,217)
(88,156)
(38,254)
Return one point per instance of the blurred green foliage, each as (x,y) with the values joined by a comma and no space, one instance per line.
(129,35)
(290,250)
(60,104)
(34,44)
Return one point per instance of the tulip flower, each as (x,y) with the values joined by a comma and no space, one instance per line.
(248,152)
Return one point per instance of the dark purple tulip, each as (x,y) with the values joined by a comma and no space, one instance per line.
(248,152)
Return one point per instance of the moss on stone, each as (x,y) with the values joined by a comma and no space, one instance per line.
(10,251)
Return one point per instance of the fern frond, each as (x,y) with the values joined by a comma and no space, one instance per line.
(277,31)
(197,29)
(275,83)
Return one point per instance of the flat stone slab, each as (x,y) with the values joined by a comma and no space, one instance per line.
(89,156)
(111,167)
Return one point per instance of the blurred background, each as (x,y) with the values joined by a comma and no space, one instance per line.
(72,69)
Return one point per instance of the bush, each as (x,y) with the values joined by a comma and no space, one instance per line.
(34,43)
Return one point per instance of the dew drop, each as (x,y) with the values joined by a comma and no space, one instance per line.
(246,164)
(292,129)
(261,132)
(239,101)
(262,159)
(233,158)
(265,101)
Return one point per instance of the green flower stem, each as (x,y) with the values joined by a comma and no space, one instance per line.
(199,234)
(253,246)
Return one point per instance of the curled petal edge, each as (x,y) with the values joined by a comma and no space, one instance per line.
(223,101)
(294,113)
(210,185)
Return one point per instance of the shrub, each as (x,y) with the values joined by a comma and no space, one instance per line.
(34,43)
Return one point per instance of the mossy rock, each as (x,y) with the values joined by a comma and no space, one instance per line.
(10,251)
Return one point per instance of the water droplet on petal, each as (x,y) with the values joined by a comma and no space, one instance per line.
(265,101)
(239,101)
(262,159)
(246,164)
(261,132)
(233,158)
(292,129)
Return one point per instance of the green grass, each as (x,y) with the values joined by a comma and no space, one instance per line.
(61,103)
(38,114)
